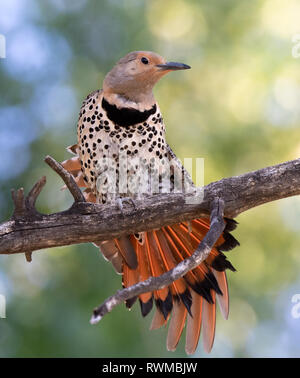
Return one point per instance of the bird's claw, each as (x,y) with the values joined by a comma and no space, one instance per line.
(125,199)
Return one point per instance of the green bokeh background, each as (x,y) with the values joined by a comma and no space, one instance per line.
(238,108)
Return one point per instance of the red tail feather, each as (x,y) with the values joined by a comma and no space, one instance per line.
(193,296)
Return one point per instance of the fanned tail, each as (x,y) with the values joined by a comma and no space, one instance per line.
(191,299)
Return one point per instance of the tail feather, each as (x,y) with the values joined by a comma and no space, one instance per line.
(179,286)
(145,273)
(191,299)
(176,325)
(205,280)
(111,253)
(186,248)
(156,267)
(208,323)
(223,299)
(146,306)
(130,277)
(190,276)
(194,321)
(158,320)
(127,251)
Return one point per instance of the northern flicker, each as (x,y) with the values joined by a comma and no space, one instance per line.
(120,130)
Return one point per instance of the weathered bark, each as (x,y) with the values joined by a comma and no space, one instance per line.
(29,230)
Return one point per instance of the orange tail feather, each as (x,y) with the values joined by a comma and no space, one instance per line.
(192,297)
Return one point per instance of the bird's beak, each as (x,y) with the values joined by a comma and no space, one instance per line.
(172,66)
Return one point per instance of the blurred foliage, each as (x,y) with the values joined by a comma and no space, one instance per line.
(238,108)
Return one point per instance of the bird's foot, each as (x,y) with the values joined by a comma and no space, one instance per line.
(120,202)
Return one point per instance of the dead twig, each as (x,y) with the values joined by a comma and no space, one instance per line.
(67,178)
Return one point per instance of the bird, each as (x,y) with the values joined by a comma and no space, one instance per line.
(121,129)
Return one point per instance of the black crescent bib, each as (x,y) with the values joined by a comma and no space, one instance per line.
(126,116)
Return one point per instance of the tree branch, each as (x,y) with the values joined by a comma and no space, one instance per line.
(67,178)
(217,226)
(28,230)
(84,222)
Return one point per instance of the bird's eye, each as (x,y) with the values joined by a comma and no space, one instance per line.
(144,60)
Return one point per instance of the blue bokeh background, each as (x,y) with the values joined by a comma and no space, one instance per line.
(238,108)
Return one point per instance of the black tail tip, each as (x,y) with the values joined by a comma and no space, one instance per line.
(231,224)
(146,307)
(230,242)
(130,302)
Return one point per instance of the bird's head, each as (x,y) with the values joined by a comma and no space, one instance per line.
(134,76)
